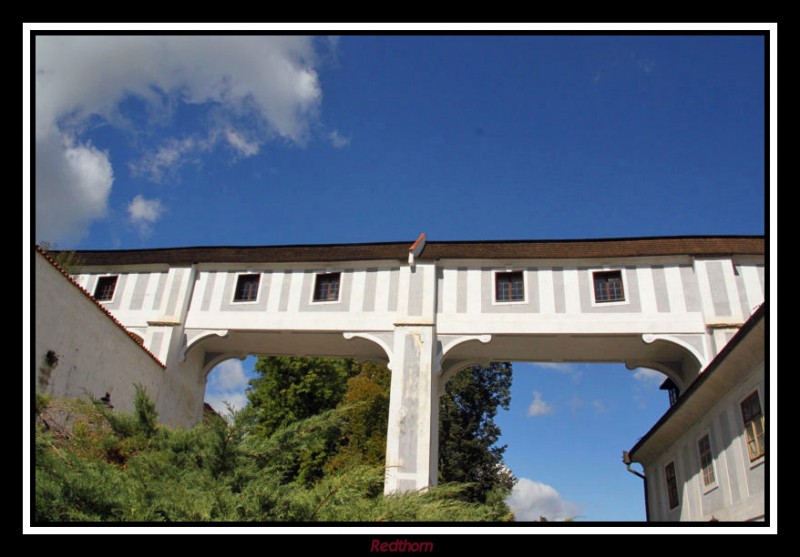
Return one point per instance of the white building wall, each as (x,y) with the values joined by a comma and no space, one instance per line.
(664,295)
(93,355)
(738,494)
(698,301)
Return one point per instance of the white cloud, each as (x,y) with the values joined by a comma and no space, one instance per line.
(143,213)
(227,383)
(649,377)
(165,160)
(242,146)
(539,407)
(143,210)
(76,180)
(562,367)
(220,402)
(599,407)
(268,81)
(530,500)
(338,140)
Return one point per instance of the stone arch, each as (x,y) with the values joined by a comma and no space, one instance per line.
(213,359)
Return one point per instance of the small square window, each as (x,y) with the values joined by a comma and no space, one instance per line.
(608,286)
(753,426)
(706,461)
(326,287)
(104,291)
(247,288)
(509,287)
(672,485)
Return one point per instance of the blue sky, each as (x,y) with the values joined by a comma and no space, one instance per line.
(148,141)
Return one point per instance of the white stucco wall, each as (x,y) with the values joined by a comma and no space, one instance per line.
(429,318)
(738,494)
(94,355)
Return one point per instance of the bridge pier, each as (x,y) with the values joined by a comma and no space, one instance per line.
(413,433)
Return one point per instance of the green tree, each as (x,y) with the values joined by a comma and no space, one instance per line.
(288,389)
(66,259)
(291,389)
(365,409)
(468,434)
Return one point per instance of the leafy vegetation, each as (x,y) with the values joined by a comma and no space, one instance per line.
(468,435)
(92,464)
(67,260)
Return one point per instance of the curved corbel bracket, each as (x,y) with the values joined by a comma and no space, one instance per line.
(348,335)
(483,339)
(195,340)
(449,371)
(651,338)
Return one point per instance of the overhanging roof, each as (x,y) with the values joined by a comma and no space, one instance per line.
(723,373)
(517,249)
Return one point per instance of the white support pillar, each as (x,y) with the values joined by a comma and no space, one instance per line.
(412,439)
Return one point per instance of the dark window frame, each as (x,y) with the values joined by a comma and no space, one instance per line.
(753,419)
(509,286)
(608,286)
(105,288)
(247,287)
(706,461)
(672,484)
(327,287)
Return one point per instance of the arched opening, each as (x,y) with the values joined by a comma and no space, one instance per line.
(226,384)
(564,433)
(569,421)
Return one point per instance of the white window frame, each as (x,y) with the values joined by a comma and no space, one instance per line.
(236,286)
(525,299)
(625,289)
(116,288)
(746,450)
(338,299)
(715,484)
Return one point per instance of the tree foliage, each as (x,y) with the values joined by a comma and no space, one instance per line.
(468,434)
(66,259)
(310,446)
(89,467)
(365,409)
(288,389)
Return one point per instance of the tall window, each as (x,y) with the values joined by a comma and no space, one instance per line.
(509,287)
(104,291)
(672,485)
(246,288)
(608,286)
(326,287)
(706,461)
(753,426)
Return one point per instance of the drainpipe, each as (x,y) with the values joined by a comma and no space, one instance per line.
(626,459)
